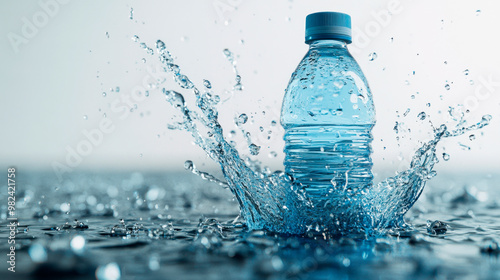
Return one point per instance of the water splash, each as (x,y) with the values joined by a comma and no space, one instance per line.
(272,201)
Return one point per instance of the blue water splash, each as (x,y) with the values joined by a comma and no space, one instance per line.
(273,202)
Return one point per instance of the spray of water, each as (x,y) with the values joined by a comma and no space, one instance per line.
(273,202)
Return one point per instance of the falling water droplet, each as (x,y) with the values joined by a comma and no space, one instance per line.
(242,119)
(160,46)
(254,149)
(372,56)
(422,116)
(207,84)
(189,165)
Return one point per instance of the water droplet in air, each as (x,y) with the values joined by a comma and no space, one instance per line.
(254,149)
(117,89)
(107,35)
(207,84)
(422,116)
(85,117)
(135,38)
(273,154)
(189,165)
(478,12)
(242,119)
(428,104)
(447,87)
(446,156)
(174,98)
(103,94)
(160,46)
(372,56)
(131,13)
(466,72)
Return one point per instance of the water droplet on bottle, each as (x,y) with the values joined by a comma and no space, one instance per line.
(207,84)
(372,56)
(254,149)
(446,156)
(422,116)
(447,87)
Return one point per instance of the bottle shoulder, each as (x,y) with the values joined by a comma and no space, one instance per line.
(328,86)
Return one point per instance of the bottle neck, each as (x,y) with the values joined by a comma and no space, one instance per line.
(327,43)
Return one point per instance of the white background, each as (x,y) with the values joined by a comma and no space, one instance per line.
(53,79)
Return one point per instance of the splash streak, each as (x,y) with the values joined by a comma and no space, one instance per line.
(273,202)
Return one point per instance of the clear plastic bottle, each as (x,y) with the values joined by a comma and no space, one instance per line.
(328,115)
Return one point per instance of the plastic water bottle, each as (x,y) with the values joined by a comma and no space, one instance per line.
(328,115)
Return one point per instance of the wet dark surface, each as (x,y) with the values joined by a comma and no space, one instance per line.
(177,226)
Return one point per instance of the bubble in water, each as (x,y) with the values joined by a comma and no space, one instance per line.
(110,271)
(242,119)
(254,149)
(207,84)
(422,116)
(372,56)
(447,86)
(446,156)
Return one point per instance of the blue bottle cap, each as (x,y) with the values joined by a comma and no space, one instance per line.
(328,25)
